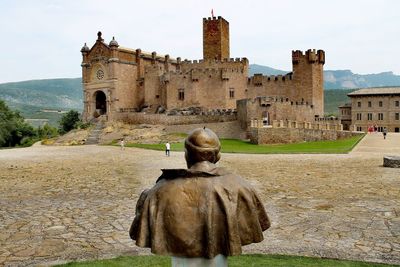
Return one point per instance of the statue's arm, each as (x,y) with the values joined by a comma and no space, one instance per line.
(133,231)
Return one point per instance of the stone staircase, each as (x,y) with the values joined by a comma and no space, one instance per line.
(94,135)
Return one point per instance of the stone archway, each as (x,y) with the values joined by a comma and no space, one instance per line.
(101,103)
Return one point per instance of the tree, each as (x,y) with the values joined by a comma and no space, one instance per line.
(69,121)
(13,129)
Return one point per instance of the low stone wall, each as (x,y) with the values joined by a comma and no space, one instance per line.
(230,129)
(163,119)
(271,135)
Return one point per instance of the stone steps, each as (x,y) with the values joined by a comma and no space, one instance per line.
(94,134)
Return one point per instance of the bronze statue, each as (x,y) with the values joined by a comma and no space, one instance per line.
(201,211)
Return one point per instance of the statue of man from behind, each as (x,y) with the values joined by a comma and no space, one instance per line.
(199,212)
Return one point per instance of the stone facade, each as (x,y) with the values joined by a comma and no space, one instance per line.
(345,116)
(119,80)
(272,108)
(375,107)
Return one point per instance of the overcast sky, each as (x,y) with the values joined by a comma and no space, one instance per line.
(42,39)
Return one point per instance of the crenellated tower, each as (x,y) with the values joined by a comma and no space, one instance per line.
(215,38)
(308,77)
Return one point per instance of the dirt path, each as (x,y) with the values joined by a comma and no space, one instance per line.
(67,203)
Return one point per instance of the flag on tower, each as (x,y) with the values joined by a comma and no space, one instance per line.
(212,12)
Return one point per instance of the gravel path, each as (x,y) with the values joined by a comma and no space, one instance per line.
(69,203)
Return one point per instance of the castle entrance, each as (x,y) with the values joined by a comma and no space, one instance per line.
(101,104)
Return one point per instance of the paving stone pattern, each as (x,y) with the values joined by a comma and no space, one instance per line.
(60,204)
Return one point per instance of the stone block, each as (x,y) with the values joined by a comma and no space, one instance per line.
(391,161)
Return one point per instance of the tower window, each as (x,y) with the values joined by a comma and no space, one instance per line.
(358,116)
(369,115)
(397,103)
(397,116)
(380,116)
(369,104)
(380,103)
(181,94)
(231,93)
(359,104)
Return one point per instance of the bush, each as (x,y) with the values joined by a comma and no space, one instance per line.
(47,132)
(82,125)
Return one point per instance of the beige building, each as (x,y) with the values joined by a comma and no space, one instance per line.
(118,80)
(378,107)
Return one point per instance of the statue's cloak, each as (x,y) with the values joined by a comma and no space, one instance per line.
(199,212)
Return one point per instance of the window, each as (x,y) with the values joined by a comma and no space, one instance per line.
(397,103)
(181,94)
(358,116)
(369,104)
(397,116)
(380,103)
(380,116)
(231,93)
(359,104)
(359,129)
(369,115)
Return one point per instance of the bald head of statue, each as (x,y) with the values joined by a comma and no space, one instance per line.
(202,144)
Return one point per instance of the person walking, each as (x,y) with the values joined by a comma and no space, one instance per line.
(384,132)
(122,143)
(167,149)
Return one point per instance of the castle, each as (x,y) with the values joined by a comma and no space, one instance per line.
(118,81)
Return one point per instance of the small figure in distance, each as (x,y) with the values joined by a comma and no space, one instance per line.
(200,214)
(167,149)
(384,132)
(122,143)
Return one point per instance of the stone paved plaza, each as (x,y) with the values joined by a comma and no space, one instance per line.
(61,204)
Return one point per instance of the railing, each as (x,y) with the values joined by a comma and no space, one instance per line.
(297,124)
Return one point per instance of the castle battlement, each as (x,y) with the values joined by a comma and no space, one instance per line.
(259,79)
(214,19)
(265,101)
(237,60)
(311,56)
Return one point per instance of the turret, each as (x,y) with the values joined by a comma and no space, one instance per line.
(215,38)
(308,77)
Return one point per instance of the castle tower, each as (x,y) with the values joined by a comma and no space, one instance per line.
(215,38)
(308,76)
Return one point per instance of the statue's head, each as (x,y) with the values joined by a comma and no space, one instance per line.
(202,144)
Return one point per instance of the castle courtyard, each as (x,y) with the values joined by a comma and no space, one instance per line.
(62,203)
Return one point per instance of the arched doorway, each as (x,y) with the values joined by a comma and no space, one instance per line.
(101,104)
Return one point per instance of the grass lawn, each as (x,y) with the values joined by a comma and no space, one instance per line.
(237,261)
(239,146)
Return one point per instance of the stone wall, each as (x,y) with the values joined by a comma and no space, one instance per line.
(293,135)
(163,119)
(273,108)
(230,129)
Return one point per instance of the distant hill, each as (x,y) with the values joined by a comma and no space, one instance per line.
(254,68)
(31,97)
(52,93)
(341,79)
(335,98)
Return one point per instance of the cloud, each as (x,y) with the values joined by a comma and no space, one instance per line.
(42,39)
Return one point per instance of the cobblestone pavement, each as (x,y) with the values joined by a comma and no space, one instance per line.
(70,203)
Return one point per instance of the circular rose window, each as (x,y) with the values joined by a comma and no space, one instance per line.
(100,74)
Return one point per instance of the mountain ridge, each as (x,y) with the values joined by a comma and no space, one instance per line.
(340,79)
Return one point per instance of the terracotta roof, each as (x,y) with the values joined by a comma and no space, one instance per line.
(376,91)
